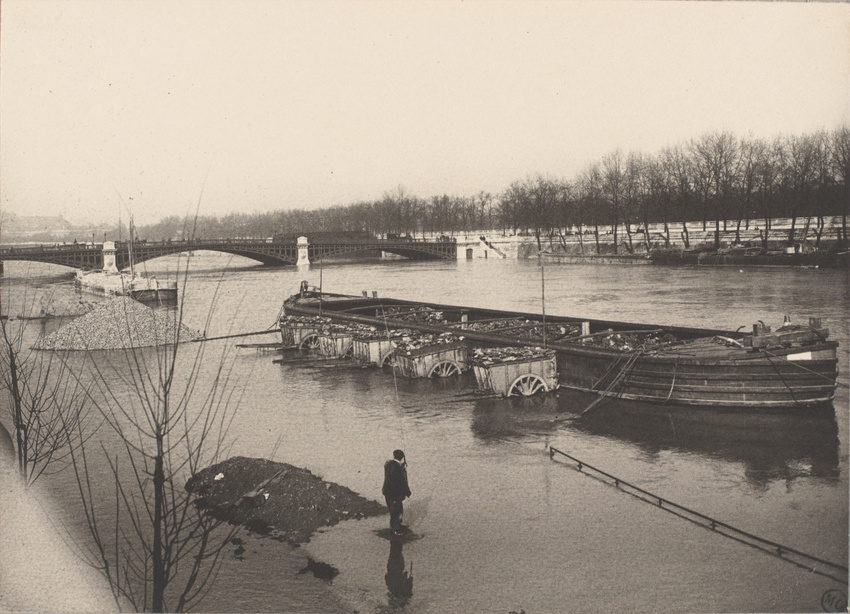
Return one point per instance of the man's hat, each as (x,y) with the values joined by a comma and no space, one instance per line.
(398,454)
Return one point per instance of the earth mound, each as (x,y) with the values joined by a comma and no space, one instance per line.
(276,499)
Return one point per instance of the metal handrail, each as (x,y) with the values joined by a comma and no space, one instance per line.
(776,548)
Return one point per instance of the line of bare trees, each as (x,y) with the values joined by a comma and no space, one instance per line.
(715,179)
(128,428)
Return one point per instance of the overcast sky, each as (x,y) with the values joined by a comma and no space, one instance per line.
(255,106)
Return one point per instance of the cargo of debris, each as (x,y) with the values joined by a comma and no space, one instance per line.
(515,371)
(794,368)
(428,355)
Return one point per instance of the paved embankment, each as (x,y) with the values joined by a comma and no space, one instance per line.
(39,572)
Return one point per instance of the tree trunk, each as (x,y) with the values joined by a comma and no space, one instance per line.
(616,235)
(819,231)
(766,231)
(158,602)
(20,427)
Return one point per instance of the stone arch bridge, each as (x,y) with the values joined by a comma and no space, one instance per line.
(270,253)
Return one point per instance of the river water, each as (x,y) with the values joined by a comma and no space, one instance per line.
(501,526)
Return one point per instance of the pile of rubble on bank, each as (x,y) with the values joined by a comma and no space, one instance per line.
(277,499)
(119,323)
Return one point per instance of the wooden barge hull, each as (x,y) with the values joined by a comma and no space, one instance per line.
(704,368)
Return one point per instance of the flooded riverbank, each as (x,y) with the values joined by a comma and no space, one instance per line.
(503,527)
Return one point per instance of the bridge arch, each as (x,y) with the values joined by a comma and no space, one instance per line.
(414,250)
(82,256)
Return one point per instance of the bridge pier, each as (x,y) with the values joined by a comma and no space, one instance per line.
(303,251)
(109,260)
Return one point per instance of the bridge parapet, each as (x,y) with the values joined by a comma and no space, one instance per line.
(117,254)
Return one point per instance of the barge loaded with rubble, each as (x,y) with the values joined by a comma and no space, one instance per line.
(515,353)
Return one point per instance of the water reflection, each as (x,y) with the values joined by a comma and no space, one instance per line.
(399,580)
(770,445)
(495,419)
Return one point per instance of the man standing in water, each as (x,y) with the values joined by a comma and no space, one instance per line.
(395,489)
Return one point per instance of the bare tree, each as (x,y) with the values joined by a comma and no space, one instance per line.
(746,183)
(589,190)
(716,158)
(157,549)
(680,170)
(841,162)
(798,177)
(613,187)
(45,403)
(769,162)
(659,198)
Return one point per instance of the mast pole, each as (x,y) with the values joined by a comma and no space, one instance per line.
(543,297)
(130,248)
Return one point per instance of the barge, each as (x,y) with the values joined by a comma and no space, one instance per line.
(140,287)
(793,367)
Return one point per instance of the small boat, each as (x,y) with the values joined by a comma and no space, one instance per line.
(142,288)
(111,282)
(792,367)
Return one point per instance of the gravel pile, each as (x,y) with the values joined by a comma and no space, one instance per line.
(62,304)
(119,323)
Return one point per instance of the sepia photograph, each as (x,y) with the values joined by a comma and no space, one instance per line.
(465,306)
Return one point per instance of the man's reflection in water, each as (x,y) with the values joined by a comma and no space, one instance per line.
(399,582)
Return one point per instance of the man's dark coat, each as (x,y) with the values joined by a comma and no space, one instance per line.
(395,480)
